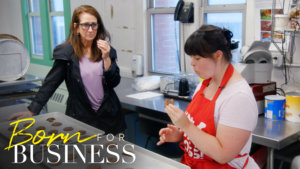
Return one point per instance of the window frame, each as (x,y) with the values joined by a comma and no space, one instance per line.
(47,41)
(227,8)
(160,10)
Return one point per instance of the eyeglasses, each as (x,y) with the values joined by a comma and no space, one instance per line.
(86,26)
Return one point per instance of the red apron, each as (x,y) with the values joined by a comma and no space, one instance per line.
(201,112)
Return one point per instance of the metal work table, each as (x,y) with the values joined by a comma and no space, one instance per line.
(269,133)
(153,106)
(25,79)
(275,134)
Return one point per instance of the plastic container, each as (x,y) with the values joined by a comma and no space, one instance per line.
(293,106)
(274,107)
(281,22)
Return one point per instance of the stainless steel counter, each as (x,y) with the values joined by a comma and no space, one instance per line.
(276,134)
(152,106)
(270,133)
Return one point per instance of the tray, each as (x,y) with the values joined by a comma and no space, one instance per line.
(6,111)
(14,59)
(144,158)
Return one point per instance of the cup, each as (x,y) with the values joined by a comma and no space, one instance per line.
(281,22)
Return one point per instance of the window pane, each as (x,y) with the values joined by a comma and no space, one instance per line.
(164,3)
(36,35)
(34,6)
(225,2)
(56,6)
(58,30)
(231,21)
(165,43)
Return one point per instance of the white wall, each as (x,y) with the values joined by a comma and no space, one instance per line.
(10,18)
(126,20)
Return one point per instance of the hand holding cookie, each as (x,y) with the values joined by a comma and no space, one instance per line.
(177,116)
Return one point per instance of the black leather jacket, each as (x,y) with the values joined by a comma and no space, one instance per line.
(109,117)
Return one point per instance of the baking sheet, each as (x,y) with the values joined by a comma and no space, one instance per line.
(145,159)
(6,111)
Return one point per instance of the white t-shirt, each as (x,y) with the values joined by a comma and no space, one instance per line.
(236,107)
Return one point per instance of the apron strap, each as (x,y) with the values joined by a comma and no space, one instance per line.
(247,160)
(205,83)
(226,77)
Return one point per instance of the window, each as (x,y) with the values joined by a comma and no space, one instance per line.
(163,35)
(45,25)
(35,28)
(225,2)
(57,22)
(230,15)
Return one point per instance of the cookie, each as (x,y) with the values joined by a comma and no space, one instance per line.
(68,129)
(82,132)
(58,139)
(168,101)
(96,149)
(26,124)
(52,131)
(56,124)
(40,128)
(83,137)
(72,156)
(11,128)
(94,166)
(51,119)
(112,159)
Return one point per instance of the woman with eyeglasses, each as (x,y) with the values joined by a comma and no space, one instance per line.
(87,63)
(215,129)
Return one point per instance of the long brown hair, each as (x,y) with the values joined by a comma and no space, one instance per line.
(74,38)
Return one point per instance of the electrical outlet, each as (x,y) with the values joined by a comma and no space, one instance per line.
(277,59)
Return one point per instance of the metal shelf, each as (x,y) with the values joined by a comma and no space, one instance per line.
(283,48)
(27,78)
(23,88)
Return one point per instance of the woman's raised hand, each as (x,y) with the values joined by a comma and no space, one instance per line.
(104,47)
(169,134)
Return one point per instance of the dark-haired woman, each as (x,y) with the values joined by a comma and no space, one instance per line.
(216,127)
(87,63)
